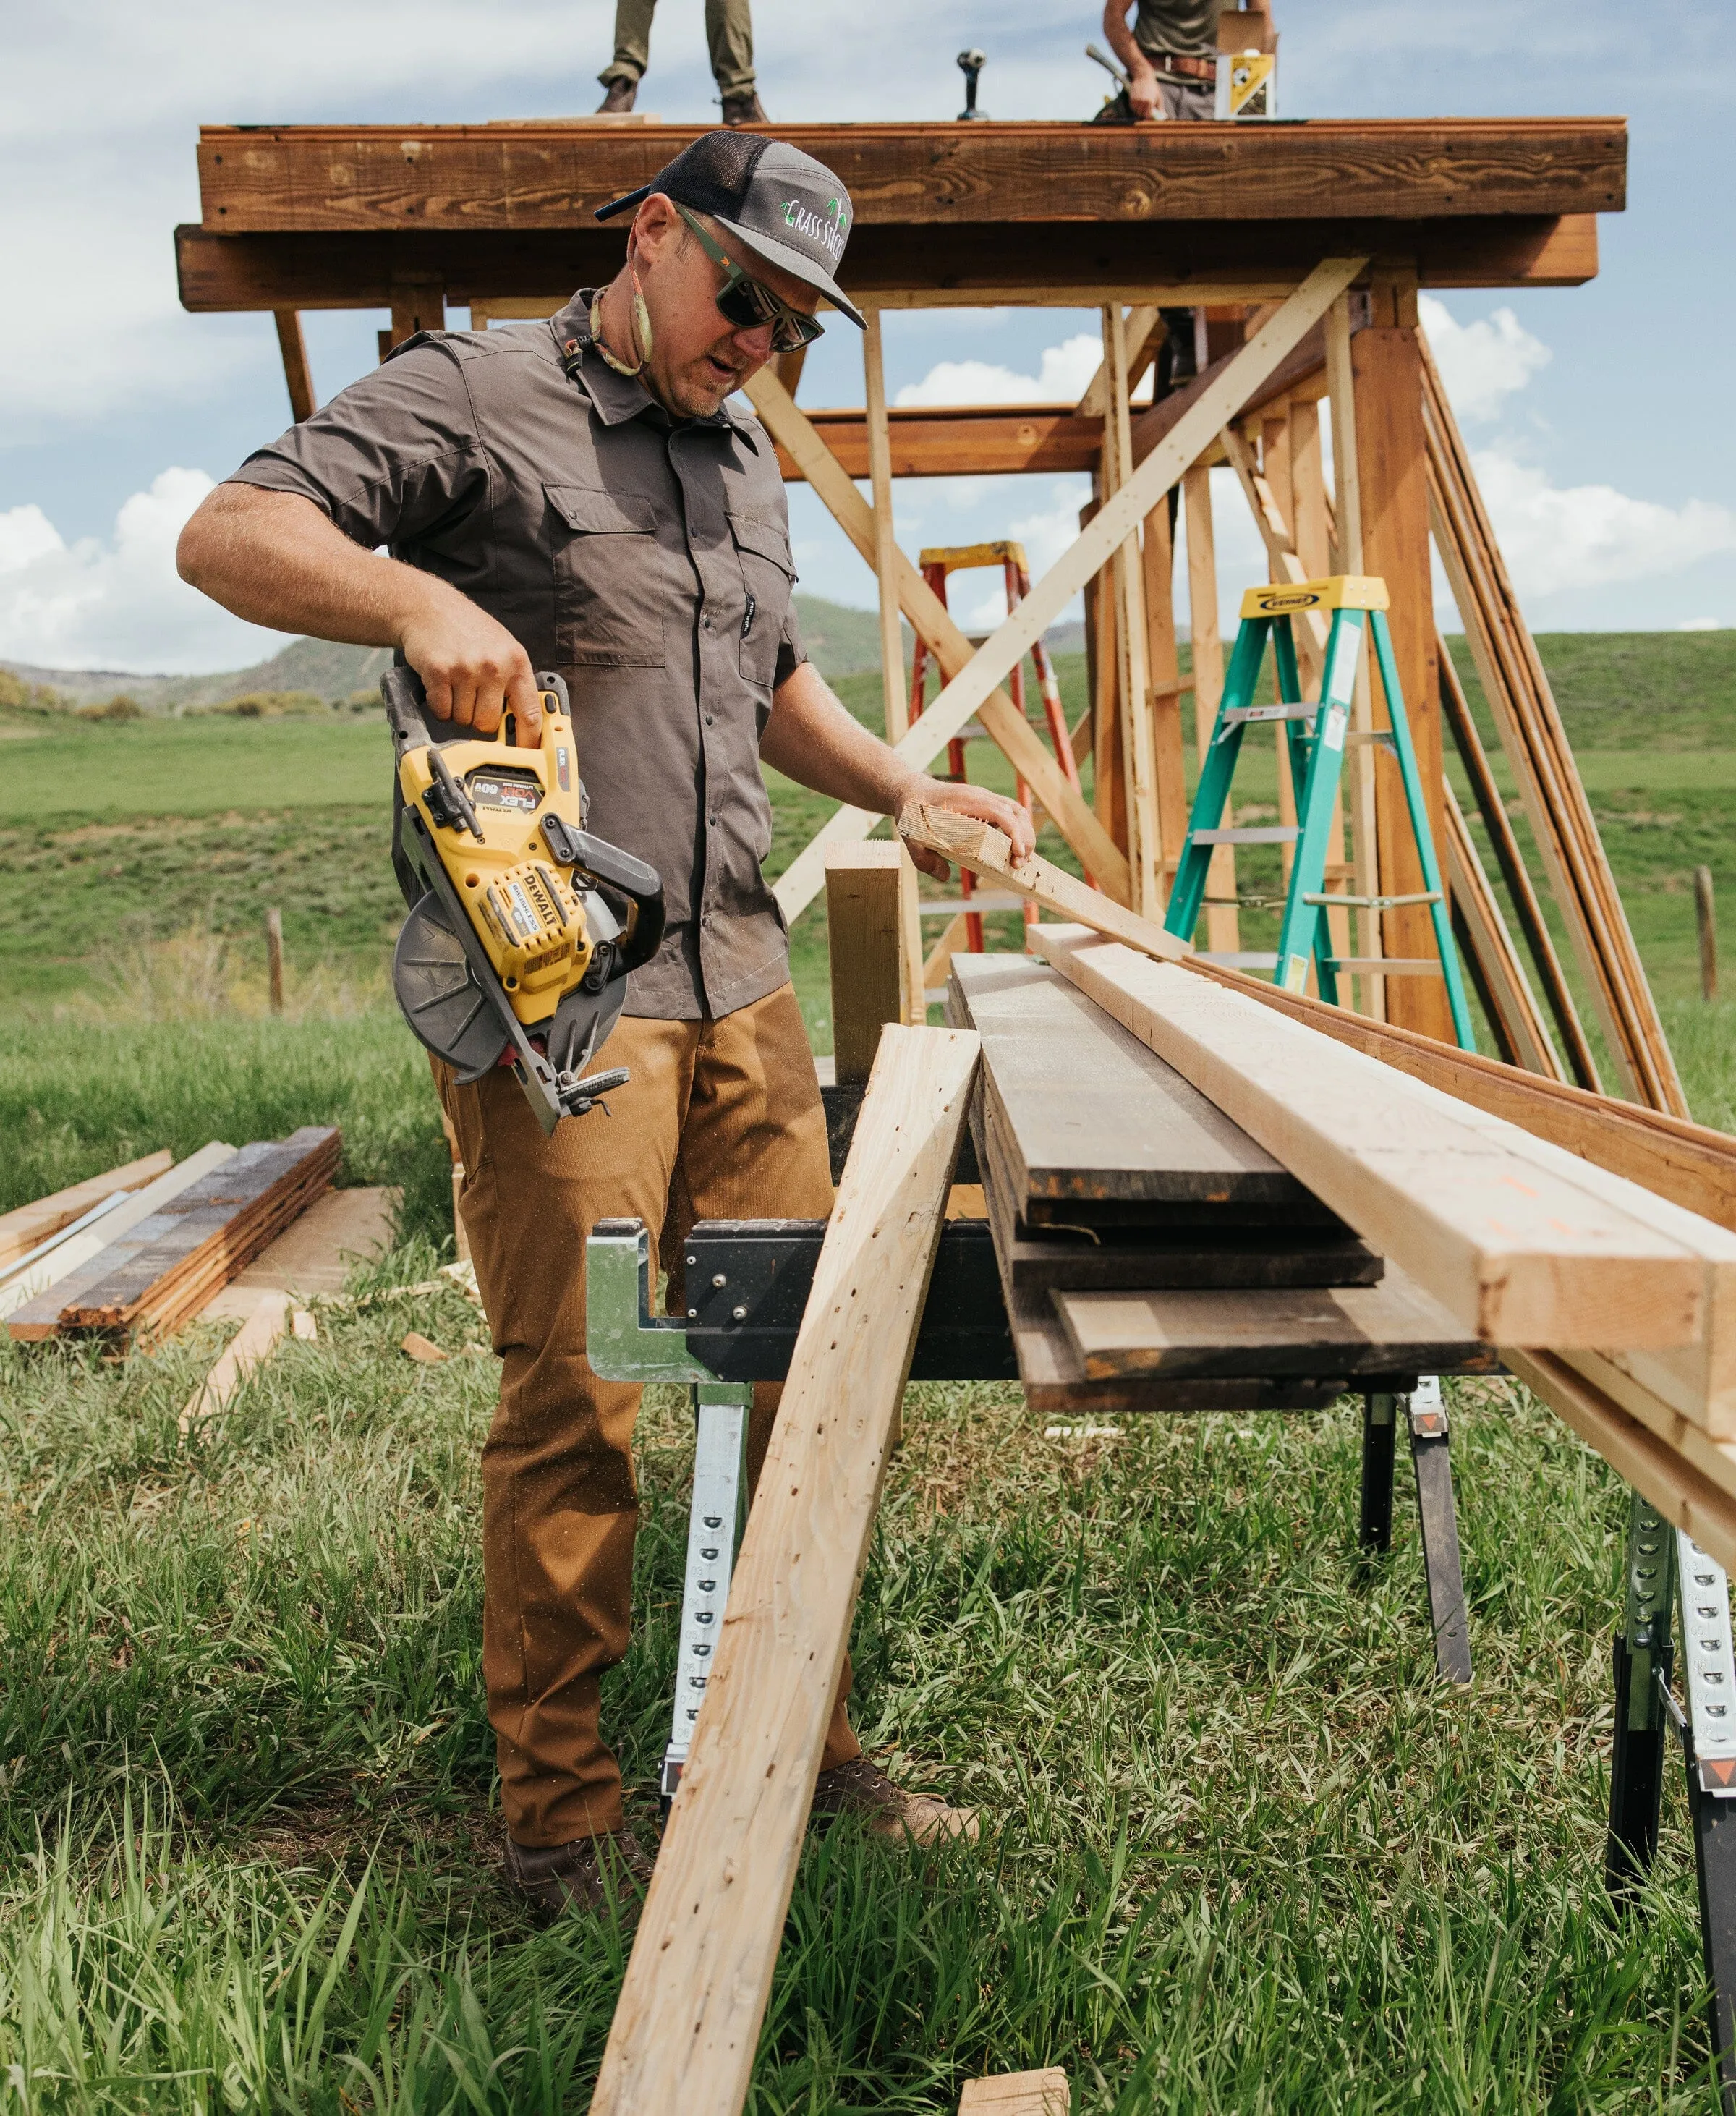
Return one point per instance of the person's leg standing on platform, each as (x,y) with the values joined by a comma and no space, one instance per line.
(730,33)
(622,77)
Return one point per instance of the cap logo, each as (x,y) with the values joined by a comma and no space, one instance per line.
(828,229)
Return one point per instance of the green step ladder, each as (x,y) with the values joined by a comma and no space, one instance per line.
(1315,733)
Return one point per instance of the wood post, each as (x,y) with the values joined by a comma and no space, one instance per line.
(1168,758)
(1365,836)
(885,544)
(1109,780)
(687,2024)
(1223,922)
(1706,919)
(1144,847)
(1393,460)
(417,305)
(1490,957)
(876,944)
(297,373)
(274,958)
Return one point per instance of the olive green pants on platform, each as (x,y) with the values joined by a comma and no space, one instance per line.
(721,1121)
(729,34)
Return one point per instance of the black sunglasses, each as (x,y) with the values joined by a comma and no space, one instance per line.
(749,303)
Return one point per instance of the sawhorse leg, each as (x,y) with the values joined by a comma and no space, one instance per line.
(1425,1416)
(1643,1659)
(721,1410)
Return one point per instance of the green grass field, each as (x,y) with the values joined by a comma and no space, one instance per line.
(1240,1851)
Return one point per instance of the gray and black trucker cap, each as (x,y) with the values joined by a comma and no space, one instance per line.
(788,208)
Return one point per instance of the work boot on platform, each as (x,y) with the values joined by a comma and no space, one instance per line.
(861,1788)
(620,98)
(745,109)
(602,1876)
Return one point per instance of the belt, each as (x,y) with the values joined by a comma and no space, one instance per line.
(1174,62)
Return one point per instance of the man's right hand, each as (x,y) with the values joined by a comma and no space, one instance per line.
(1144,96)
(472,668)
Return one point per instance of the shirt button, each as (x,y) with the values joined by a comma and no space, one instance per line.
(704,624)
(711,719)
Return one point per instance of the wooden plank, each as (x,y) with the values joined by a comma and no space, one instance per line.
(1145,849)
(384,177)
(253,1342)
(1521,1243)
(867,886)
(26,1227)
(926,441)
(1354,1330)
(896,699)
(688,2021)
(1392,457)
(1045,2093)
(1169,753)
(1491,956)
(988,851)
(1091,1112)
(994,266)
(297,375)
(32,1301)
(317,1254)
(1019,741)
(1492,809)
(1679,1490)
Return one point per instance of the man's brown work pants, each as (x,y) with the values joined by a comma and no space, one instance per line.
(721,1120)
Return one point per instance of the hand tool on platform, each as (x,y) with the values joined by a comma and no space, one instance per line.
(522,926)
(970,64)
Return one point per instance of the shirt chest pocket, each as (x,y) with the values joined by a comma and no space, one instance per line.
(768,576)
(613,582)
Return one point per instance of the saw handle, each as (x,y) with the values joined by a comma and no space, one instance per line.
(619,873)
(412,724)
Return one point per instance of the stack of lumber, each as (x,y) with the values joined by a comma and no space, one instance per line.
(1535,742)
(1152,1254)
(165,1268)
(29,1228)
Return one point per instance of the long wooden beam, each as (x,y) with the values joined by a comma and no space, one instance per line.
(1064,264)
(688,2024)
(960,440)
(801,880)
(1523,1243)
(256,178)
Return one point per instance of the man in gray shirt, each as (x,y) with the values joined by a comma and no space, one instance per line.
(1171,57)
(584,496)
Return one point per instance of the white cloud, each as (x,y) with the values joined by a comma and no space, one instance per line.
(1067,370)
(1701,625)
(119,605)
(1481,363)
(1590,535)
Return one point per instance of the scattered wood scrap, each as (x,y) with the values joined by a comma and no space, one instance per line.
(688,2021)
(168,1265)
(1045,2093)
(422,1350)
(253,1342)
(27,1226)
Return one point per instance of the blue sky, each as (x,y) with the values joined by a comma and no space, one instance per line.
(1598,415)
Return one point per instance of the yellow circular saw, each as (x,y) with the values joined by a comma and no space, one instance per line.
(522,926)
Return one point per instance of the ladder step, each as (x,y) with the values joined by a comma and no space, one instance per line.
(1372,902)
(1262,834)
(1387,966)
(1243,715)
(1233,961)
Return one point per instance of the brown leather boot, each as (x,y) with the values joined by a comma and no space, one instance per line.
(745,109)
(602,1876)
(620,98)
(861,1788)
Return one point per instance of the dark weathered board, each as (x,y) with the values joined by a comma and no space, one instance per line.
(1086,1113)
(519,176)
(1354,1330)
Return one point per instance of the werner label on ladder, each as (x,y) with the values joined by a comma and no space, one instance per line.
(1316,731)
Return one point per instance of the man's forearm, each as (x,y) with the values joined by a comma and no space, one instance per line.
(1120,37)
(812,739)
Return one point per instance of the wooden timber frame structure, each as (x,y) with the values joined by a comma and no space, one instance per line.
(1302,249)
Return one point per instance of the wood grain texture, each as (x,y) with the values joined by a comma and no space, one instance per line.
(688,2019)
(1354,1330)
(1490,957)
(865,922)
(1520,1244)
(26,1226)
(1045,2093)
(924,440)
(252,1343)
(483,176)
(1063,264)
(317,1254)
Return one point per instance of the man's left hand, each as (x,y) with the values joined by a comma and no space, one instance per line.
(977,801)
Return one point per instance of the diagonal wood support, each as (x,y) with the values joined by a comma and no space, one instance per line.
(688,2021)
(976,684)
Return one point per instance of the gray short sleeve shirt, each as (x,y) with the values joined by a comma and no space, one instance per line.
(647,560)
